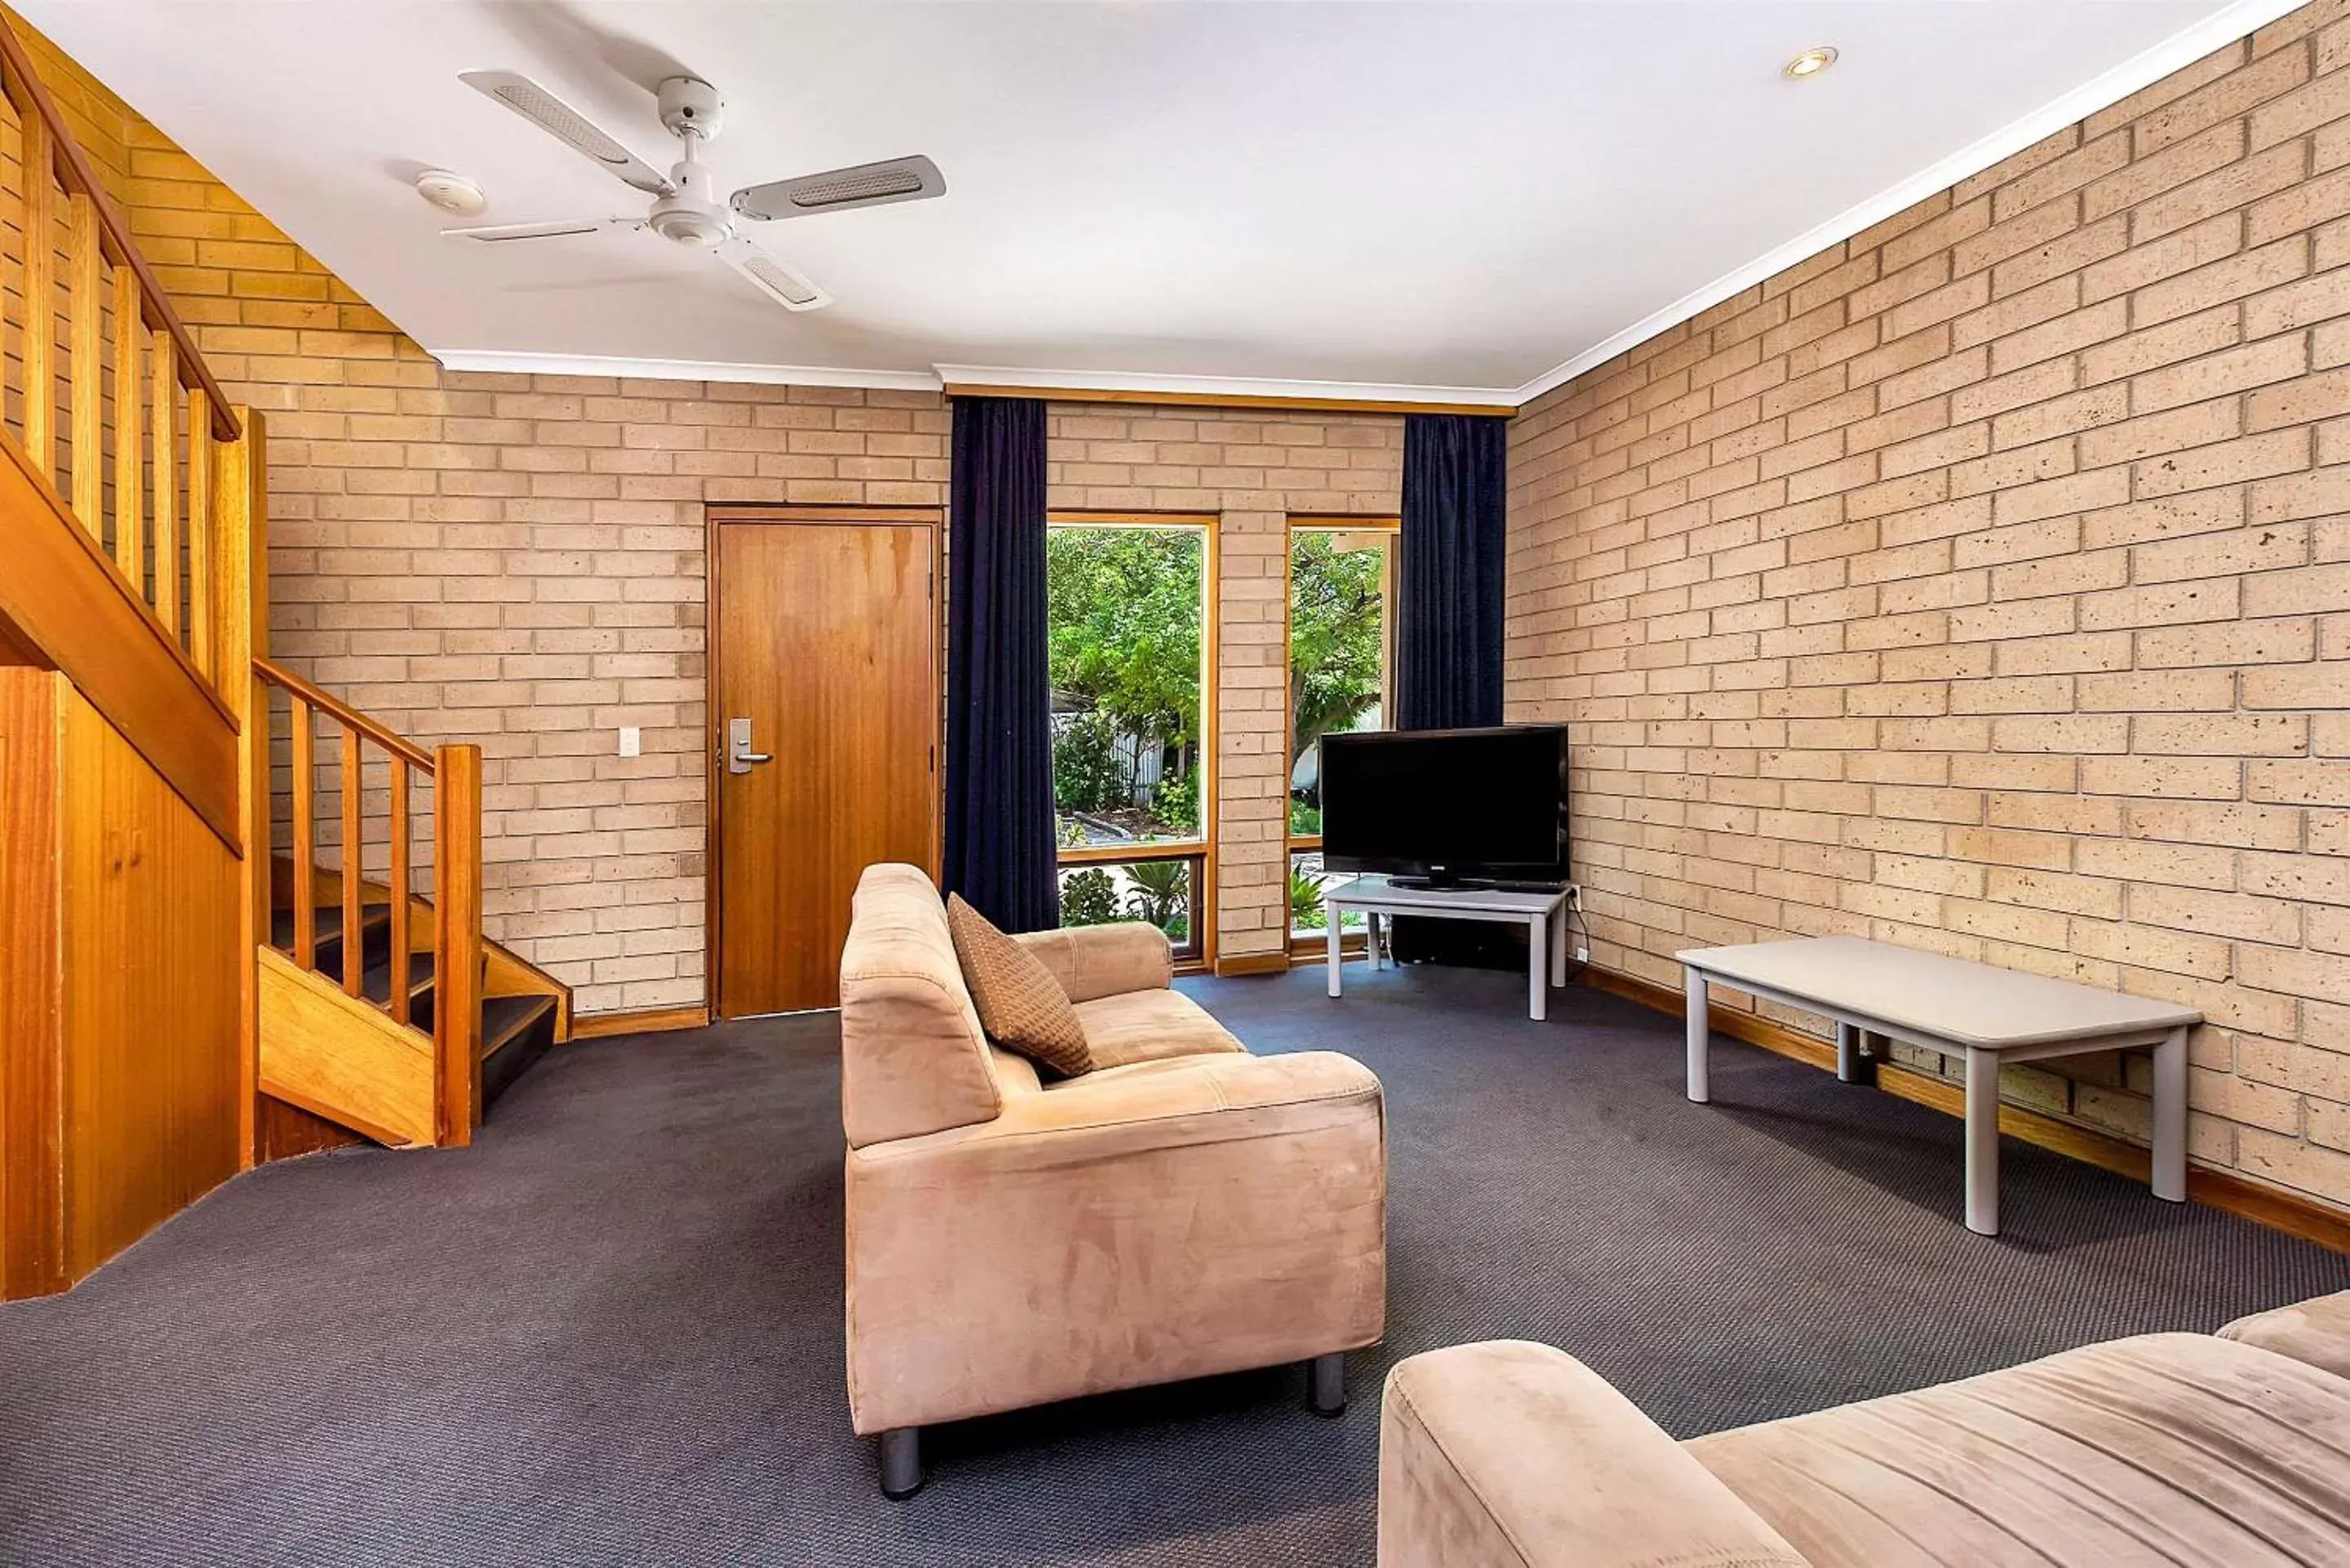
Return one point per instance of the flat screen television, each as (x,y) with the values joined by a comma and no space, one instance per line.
(1446,806)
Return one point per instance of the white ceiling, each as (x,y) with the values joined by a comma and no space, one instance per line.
(1451,195)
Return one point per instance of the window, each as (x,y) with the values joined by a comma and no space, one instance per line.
(1126,607)
(1341,585)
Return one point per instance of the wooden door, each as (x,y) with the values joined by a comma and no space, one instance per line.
(826,643)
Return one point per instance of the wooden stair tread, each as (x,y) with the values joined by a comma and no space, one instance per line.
(329,925)
(505,1019)
(376,983)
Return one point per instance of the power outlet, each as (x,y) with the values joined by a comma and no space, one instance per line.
(632,740)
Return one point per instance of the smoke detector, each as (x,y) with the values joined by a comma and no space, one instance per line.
(450,192)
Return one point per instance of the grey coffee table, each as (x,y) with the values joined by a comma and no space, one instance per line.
(1875,991)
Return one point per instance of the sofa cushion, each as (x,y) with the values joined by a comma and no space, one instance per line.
(2316,1331)
(1021,1005)
(1102,961)
(2167,1448)
(1147,1025)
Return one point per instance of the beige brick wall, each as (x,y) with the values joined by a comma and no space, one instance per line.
(1982,584)
(1253,470)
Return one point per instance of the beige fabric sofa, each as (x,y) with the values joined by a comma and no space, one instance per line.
(2171,1449)
(1186,1210)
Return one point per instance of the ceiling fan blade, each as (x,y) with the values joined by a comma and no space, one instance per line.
(772,277)
(915,179)
(496,233)
(566,125)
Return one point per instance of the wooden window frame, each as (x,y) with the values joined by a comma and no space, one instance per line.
(1199,955)
(1333,523)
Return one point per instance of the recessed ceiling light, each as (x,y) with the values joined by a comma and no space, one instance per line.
(1810,63)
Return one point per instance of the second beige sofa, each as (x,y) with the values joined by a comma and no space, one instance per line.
(1187,1209)
(2231,1449)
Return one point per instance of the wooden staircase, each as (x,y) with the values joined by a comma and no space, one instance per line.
(194,977)
(384,1010)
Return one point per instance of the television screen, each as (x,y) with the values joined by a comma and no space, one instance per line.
(1487,805)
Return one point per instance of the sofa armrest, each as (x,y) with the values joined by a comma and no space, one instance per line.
(1092,962)
(1513,1455)
(2315,1332)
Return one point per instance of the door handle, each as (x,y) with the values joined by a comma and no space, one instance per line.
(740,757)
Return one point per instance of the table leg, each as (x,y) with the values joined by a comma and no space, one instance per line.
(1537,967)
(1982,1142)
(1558,946)
(1854,1063)
(1330,929)
(1371,918)
(1693,982)
(2170,1118)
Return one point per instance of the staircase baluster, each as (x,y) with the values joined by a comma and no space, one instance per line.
(129,458)
(167,486)
(40,344)
(399,887)
(354,937)
(85,341)
(305,889)
(200,577)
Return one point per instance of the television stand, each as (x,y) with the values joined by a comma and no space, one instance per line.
(1543,913)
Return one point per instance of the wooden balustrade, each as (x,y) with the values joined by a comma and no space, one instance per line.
(453,776)
(131,458)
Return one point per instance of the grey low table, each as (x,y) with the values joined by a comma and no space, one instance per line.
(1539,912)
(1876,992)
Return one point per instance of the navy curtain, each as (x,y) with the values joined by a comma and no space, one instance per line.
(1449,592)
(999,783)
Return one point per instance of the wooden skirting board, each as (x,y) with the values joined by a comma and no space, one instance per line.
(643,1021)
(1253,964)
(2265,1205)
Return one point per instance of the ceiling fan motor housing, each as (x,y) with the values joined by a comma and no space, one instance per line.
(692,214)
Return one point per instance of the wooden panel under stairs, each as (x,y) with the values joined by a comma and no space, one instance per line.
(338,1057)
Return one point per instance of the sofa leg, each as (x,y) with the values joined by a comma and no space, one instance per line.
(902,1462)
(1325,1384)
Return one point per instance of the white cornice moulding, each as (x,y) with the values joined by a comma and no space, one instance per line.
(1174,387)
(1218,386)
(2180,50)
(505,363)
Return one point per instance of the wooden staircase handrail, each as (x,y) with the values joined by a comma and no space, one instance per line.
(119,432)
(70,167)
(343,714)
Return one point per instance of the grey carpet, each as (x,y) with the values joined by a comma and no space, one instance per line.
(610,1331)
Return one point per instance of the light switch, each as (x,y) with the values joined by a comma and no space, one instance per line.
(632,740)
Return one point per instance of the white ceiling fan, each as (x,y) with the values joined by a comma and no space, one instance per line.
(686,210)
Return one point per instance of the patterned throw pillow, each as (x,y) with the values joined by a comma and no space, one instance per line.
(1021,1005)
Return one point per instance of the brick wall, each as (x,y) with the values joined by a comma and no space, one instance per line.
(1982,584)
(1253,470)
